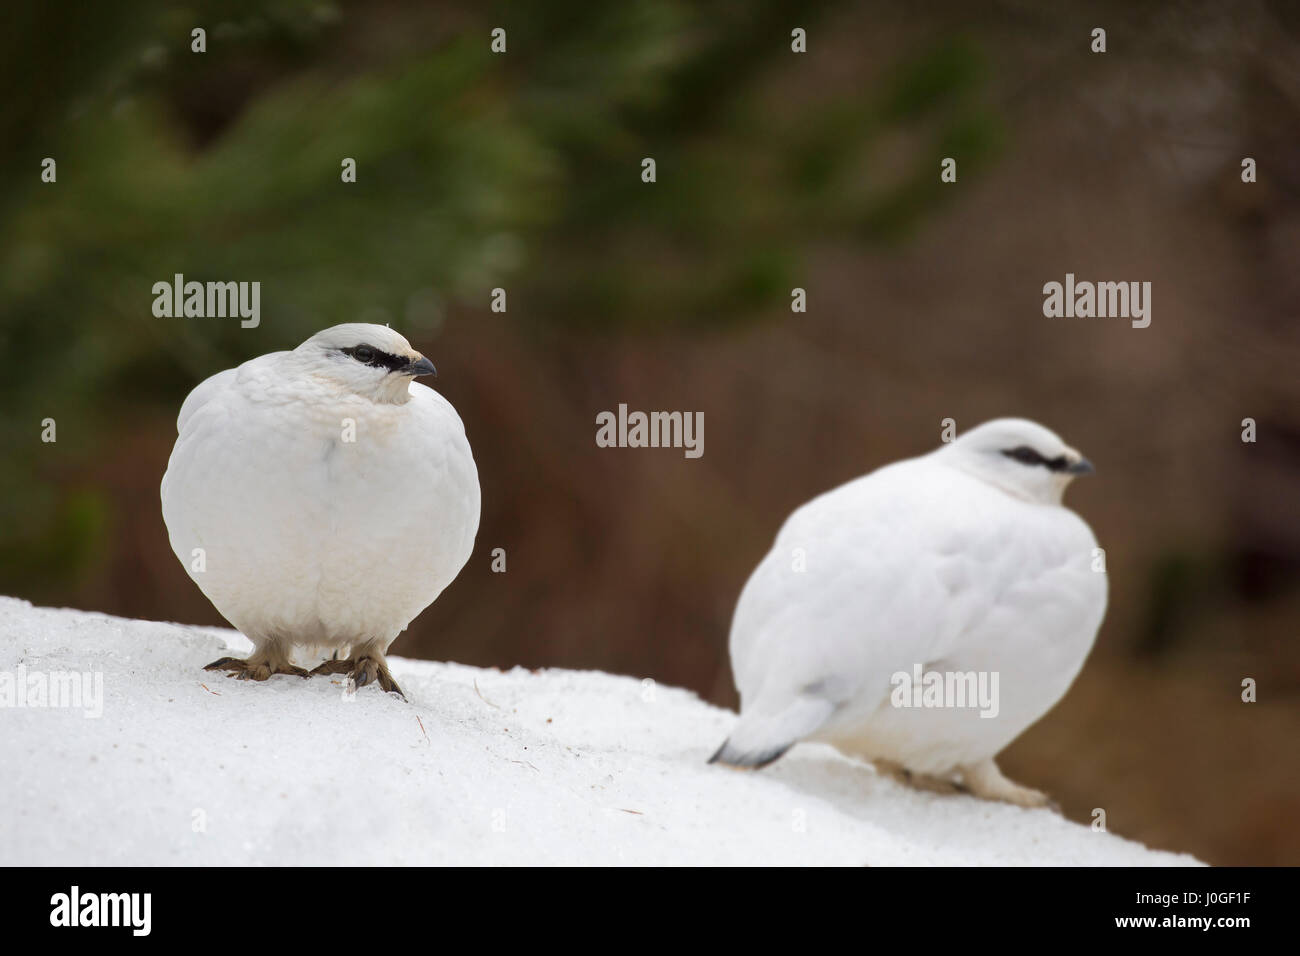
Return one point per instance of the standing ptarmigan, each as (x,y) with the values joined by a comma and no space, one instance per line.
(322,498)
(962,563)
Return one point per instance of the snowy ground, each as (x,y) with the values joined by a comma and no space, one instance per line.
(480,767)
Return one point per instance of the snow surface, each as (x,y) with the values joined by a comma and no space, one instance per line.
(480,767)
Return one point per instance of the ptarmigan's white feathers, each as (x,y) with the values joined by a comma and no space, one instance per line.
(319,499)
(960,560)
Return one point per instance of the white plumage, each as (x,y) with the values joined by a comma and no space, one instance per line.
(963,560)
(322,498)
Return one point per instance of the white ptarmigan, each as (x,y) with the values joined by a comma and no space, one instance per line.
(322,498)
(961,562)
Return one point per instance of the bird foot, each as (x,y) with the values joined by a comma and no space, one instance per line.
(334,667)
(369,669)
(363,670)
(918,781)
(258,670)
(985,780)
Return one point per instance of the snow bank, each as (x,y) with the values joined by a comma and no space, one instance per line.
(480,767)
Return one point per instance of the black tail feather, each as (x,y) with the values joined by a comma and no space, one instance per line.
(731,757)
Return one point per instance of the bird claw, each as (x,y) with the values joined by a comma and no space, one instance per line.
(253,670)
(362,671)
(333,667)
(389,686)
(368,669)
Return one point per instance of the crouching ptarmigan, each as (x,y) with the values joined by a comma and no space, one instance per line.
(962,563)
(322,498)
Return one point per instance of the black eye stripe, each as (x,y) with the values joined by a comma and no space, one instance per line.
(1027,456)
(375,357)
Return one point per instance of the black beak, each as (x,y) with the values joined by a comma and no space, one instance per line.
(422,367)
(1081,467)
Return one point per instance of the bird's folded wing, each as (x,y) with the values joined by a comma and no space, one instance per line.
(871,579)
(215,385)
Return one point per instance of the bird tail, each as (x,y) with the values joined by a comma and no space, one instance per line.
(761,738)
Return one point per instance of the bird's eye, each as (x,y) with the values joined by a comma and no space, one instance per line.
(364,354)
(1025,455)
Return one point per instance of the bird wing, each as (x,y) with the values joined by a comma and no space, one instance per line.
(862,582)
(214,385)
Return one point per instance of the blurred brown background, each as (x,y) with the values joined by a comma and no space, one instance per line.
(775,170)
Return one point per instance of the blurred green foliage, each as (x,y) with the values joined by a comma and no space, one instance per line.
(474,170)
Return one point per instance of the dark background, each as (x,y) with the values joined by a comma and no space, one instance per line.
(775,170)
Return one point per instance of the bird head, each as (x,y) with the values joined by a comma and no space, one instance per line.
(1019,456)
(372,361)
